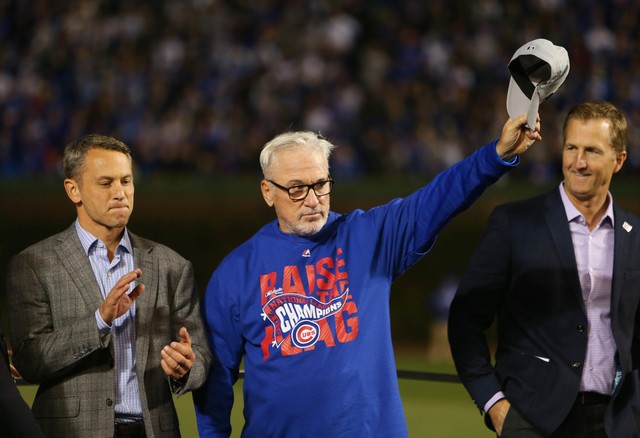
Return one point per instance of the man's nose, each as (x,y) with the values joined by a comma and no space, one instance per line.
(581,160)
(312,198)
(118,191)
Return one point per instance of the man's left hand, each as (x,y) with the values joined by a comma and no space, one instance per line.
(178,357)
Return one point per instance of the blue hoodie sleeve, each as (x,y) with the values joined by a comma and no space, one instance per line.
(214,400)
(411,225)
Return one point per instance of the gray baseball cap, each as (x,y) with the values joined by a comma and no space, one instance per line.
(537,69)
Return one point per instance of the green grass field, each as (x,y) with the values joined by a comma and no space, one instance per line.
(433,409)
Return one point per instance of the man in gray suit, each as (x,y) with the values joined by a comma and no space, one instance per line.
(106,322)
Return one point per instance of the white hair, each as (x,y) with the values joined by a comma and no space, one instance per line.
(289,140)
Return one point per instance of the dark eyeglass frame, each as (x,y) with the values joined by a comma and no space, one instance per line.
(307,186)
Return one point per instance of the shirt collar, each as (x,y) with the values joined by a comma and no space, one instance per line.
(573,213)
(88,240)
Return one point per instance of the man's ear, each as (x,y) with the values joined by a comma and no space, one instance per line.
(622,156)
(267,193)
(73,190)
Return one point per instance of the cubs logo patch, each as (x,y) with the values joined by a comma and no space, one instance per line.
(305,334)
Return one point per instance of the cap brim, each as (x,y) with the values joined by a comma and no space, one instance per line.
(518,103)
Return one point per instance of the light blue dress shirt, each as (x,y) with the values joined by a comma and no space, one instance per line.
(123,329)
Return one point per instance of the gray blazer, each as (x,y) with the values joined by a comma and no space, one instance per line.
(53,295)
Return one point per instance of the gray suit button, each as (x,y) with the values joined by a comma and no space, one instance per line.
(576,365)
(109,402)
(580,328)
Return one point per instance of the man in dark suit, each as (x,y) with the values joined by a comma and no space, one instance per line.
(560,273)
(108,323)
(16,419)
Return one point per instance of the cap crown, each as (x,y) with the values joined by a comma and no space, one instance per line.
(537,69)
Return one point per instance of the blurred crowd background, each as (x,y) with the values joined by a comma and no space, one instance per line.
(198,86)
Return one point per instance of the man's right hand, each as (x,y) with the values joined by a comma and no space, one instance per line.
(516,137)
(498,412)
(118,301)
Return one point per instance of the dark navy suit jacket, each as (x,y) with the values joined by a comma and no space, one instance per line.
(524,276)
(16,419)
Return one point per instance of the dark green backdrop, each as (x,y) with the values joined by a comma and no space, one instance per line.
(205,219)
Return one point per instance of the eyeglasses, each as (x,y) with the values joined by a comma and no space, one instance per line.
(300,192)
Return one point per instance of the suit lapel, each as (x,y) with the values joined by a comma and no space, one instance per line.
(76,263)
(556,219)
(622,236)
(145,304)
